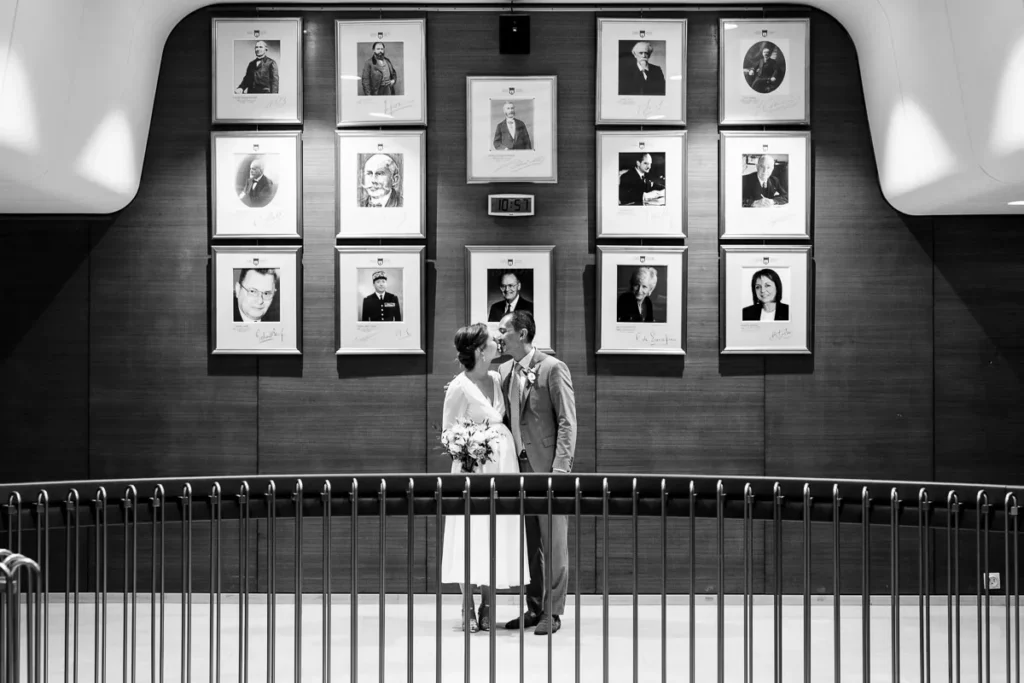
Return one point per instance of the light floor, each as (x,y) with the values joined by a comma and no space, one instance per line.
(563,653)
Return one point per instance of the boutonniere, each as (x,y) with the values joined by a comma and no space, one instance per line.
(531,377)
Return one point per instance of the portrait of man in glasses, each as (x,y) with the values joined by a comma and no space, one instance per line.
(510,286)
(256,299)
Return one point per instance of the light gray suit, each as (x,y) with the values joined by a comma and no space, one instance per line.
(547,434)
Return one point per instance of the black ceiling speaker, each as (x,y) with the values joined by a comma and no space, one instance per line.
(514,34)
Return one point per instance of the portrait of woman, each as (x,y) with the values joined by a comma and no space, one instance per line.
(634,305)
(766,289)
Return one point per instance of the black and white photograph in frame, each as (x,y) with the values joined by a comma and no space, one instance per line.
(641,71)
(520,277)
(641,183)
(256,300)
(764,71)
(381,183)
(257,184)
(379,307)
(511,129)
(257,70)
(641,299)
(766,299)
(381,69)
(765,185)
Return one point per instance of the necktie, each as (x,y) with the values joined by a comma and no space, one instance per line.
(513,399)
(508,307)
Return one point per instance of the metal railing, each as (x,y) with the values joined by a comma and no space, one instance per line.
(17,570)
(201,508)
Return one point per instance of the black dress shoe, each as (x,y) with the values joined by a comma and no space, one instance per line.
(548,624)
(484,618)
(530,619)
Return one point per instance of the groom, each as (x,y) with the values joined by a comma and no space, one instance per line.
(542,418)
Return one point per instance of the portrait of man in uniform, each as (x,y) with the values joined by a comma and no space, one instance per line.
(381,305)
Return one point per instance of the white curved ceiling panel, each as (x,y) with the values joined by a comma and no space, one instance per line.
(942,84)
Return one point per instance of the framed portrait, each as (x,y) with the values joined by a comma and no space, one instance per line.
(764,71)
(504,279)
(641,295)
(381,178)
(382,73)
(641,71)
(765,185)
(257,70)
(510,129)
(766,299)
(257,300)
(257,184)
(641,187)
(380,300)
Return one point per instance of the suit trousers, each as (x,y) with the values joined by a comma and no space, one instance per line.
(552,550)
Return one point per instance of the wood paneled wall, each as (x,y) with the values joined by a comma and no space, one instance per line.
(916,371)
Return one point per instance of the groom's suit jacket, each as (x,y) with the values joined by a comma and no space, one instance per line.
(547,419)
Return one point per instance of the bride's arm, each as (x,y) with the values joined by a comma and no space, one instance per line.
(455,405)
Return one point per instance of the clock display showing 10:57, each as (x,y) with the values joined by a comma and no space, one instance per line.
(510,205)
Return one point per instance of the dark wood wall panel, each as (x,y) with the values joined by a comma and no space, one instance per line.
(44,356)
(979,349)
(159,403)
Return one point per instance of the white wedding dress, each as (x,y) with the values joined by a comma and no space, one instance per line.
(465,400)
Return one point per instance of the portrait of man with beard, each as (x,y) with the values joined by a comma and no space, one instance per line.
(380,181)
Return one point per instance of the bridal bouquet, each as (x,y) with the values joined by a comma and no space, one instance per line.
(471,443)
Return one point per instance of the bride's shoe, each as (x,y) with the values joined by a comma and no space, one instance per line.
(473,625)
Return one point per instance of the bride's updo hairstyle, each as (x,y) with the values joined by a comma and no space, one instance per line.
(467,340)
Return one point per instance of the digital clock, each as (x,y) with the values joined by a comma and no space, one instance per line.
(510,205)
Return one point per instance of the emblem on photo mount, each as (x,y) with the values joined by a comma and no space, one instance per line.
(642,144)
(764,33)
(643,259)
(256,148)
(764,261)
(510,261)
(380,147)
(256,33)
(643,34)
(511,91)
(380,262)
(255,262)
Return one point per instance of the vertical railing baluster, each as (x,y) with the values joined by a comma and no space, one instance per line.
(604,577)
(410,543)
(635,498)
(807,582)
(218,510)
(128,503)
(692,633)
(325,499)
(244,515)
(186,583)
(382,497)
(297,498)
(579,531)
(467,581)
(720,602)
(894,570)
(748,583)
(100,605)
(214,587)
(43,555)
(664,579)
(271,497)
(865,582)
(988,598)
(836,586)
(439,544)
(1009,510)
(549,556)
(492,642)
(777,562)
(71,504)
(522,577)
(981,548)
(924,607)
(353,635)
(159,524)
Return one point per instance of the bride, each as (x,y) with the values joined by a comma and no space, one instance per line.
(476,394)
